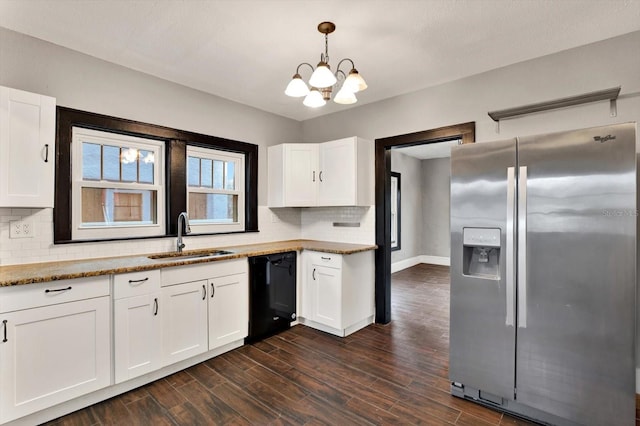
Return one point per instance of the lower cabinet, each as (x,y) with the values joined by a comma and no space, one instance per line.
(184,321)
(137,324)
(337,291)
(228,309)
(206,307)
(55,344)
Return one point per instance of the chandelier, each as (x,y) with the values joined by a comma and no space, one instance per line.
(323,81)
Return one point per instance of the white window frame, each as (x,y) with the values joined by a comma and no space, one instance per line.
(79,232)
(204,227)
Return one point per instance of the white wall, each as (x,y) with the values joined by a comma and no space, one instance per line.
(83,82)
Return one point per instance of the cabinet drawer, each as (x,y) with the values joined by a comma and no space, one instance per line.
(329,260)
(136,283)
(42,294)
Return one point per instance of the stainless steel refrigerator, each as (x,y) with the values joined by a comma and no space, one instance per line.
(543,275)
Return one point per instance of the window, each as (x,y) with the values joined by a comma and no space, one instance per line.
(395,211)
(215,190)
(117,185)
(120,179)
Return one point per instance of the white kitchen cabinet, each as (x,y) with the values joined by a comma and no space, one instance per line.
(228,309)
(137,325)
(184,321)
(338,291)
(27,148)
(336,173)
(209,311)
(293,175)
(55,346)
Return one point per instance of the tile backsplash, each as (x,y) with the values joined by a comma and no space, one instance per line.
(318,223)
(275,225)
(280,224)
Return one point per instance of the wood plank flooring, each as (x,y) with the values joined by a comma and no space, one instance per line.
(384,374)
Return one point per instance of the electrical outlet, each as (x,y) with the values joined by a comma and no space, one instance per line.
(21,229)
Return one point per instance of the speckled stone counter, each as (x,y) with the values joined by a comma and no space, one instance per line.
(53,271)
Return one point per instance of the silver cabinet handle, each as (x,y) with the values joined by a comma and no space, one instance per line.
(522,247)
(510,270)
(204,292)
(155,304)
(213,290)
(57,290)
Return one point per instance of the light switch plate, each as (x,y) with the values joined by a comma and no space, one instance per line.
(21,229)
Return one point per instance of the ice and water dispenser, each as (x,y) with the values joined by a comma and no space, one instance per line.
(481,252)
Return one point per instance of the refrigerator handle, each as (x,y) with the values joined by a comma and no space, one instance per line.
(510,235)
(522,247)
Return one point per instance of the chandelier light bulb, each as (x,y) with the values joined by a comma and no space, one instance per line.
(345,96)
(322,76)
(314,99)
(297,88)
(355,82)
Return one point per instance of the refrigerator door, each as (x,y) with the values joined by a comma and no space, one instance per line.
(482,334)
(576,299)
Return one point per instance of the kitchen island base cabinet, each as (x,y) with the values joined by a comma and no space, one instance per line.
(55,346)
(338,291)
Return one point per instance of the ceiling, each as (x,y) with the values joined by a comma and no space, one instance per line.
(247,50)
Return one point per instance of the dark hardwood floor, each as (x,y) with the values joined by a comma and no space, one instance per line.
(384,374)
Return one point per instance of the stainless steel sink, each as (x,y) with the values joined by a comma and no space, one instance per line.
(189,255)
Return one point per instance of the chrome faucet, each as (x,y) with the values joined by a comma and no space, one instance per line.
(183,217)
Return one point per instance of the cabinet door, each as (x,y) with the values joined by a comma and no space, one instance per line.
(137,336)
(301,175)
(53,354)
(184,321)
(27,148)
(228,309)
(327,295)
(337,176)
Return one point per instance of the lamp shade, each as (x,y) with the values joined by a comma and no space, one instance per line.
(354,81)
(345,96)
(322,76)
(314,99)
(296,87)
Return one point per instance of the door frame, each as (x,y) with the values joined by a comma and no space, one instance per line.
(464,131)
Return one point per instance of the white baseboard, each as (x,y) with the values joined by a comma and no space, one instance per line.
(412,261)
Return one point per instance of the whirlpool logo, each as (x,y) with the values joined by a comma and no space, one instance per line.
(603,139)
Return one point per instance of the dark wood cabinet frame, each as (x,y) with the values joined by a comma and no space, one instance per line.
(466,132)
(175,172)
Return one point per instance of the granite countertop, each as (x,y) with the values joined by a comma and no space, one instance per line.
(53,271)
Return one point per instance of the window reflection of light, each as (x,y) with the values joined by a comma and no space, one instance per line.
(149,158)
(129,155)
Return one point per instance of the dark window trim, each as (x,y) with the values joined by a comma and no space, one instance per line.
(465,131)
(175,170)
(398,212)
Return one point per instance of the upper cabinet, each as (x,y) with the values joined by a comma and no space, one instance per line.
(27,148)
(336,173)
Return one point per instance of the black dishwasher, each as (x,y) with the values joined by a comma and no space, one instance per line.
(272,294)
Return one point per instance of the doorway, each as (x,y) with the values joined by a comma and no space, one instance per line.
(466,133)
